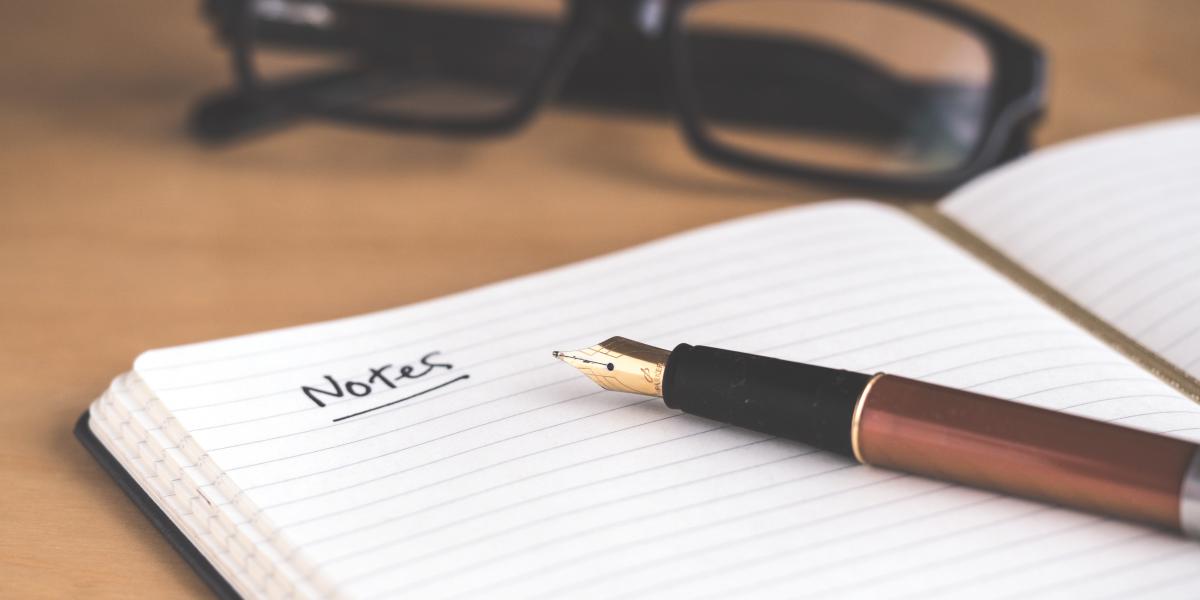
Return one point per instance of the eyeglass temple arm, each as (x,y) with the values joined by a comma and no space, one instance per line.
(824,90)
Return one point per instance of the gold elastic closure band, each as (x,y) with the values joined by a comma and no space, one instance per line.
(856,420)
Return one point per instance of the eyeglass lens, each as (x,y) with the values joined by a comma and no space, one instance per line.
(418,58)
(854,86)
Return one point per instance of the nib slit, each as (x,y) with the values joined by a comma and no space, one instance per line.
(620,365)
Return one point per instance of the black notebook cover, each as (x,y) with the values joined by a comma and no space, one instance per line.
(178,540)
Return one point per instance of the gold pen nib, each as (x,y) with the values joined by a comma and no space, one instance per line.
(621,365)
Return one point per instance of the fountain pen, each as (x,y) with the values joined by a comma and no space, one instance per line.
(917,427)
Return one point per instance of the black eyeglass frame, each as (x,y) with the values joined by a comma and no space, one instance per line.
(1015,102)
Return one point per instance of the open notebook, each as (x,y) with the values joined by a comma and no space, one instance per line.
(438,450)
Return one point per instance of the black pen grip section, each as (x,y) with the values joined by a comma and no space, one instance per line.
(811,404)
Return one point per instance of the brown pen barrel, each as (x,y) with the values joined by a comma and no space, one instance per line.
(968,438)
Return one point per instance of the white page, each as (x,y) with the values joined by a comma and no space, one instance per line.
(1113,222)
(524,479)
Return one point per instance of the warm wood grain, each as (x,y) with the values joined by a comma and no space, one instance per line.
(118,234)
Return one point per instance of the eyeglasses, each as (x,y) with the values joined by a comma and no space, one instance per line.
(906,96)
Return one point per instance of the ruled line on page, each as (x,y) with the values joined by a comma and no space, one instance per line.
(705,478)
(1179,309)
(1076,184)
(540,474)
(1062,182)
(1019,334)
(709,477)
(1109,363)
(419,444)
(815,545)
(1142,250)
(1040,234)
(1185,336)
(560,491)
(420,583)
(1147,414)
(1088,271)
(790,530)
(1129,397)
(1134,565)
(943,329)
(1041,537)
(960,305)
(991,359)
(573,442)
(1066,236)
(976,579)
(1186,575)
(1171,283)
(1181,429)
(1092,200)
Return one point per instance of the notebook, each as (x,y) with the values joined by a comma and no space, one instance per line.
(437,450)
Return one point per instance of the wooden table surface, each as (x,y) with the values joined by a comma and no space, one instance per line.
(119,234)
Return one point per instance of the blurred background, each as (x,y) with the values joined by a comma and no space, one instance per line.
(119,231)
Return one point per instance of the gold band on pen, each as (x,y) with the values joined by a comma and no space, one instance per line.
(857,418)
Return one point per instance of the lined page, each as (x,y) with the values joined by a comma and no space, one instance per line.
(1113,222)
(439,450)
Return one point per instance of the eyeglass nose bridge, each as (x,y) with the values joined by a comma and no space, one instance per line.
(646,17)
(652,17)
